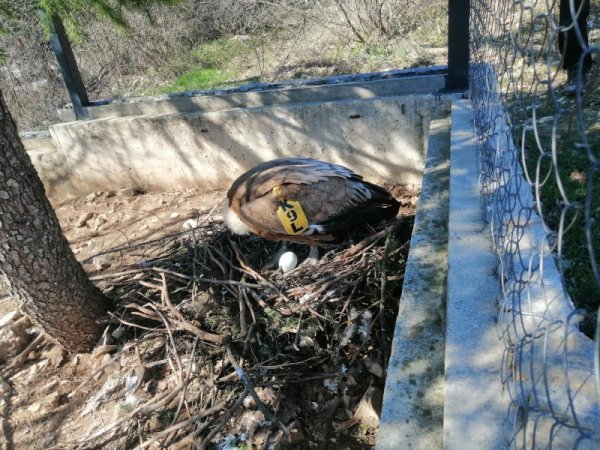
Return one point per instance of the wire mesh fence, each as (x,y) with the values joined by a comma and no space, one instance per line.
(535,89)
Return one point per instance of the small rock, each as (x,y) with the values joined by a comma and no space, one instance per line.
(249,402)
(46,405)
(109,194)
(5,388)
(100,263)
(190,224)
(296,436)
(48,440)
(126,192)
(174,215)
(35,407)
(374,367)
(83,219)
(99,221)
(90,197)
(119,333)
(369,408)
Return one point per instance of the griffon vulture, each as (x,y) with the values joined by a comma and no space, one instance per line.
(304,200)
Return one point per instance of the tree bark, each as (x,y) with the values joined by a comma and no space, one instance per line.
(37,265)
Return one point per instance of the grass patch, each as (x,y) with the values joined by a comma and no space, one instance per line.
(222,53)
(196,80)
(214,64)
(286,54)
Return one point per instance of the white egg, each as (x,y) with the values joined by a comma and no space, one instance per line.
(288,261)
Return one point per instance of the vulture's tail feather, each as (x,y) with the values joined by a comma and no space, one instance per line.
(381,206)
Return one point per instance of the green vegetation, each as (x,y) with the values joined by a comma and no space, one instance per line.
(233,61)
(195,80)
(112,10)
(163,46)
(210,65)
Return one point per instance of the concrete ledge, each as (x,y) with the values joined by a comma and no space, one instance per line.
(413,399)
(420,80)
(413,85)
(475,408)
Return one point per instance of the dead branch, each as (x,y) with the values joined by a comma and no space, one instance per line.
(248,384)
(226,417)
(181,425)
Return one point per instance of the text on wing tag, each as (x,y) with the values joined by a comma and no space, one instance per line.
(290,214)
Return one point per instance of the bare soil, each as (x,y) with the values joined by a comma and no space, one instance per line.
(304,352)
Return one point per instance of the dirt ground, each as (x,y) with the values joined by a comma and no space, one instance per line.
(51,400)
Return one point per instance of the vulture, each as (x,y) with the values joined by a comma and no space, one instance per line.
(304,200)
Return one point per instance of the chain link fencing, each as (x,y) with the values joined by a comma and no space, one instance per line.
(535,90)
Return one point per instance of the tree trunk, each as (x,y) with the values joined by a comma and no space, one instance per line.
(36,263)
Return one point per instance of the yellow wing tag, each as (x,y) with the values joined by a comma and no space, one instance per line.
(291,214)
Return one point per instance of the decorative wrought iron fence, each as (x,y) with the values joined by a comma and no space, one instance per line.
(535,89)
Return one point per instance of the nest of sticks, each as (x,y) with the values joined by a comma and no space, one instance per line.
(216,346)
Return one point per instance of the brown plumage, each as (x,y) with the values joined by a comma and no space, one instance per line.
(333,198)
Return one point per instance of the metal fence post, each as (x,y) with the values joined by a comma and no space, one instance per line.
(458,44)
(68,67)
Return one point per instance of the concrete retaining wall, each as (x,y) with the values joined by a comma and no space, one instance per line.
(364,121)
(381,138)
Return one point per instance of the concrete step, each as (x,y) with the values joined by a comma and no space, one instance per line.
(413,404)
(475,406)
(359,86)
(443,387)
(460,377)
